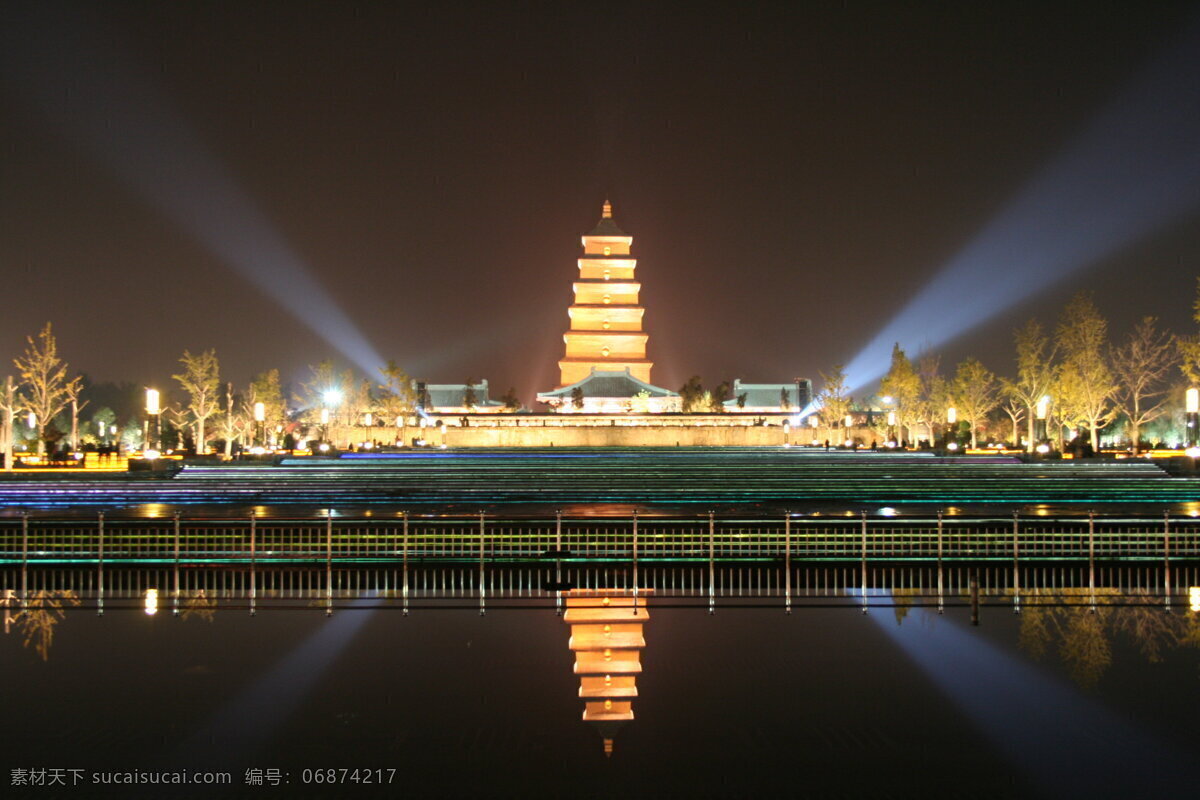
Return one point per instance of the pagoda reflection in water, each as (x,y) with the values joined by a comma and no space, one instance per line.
(607,640)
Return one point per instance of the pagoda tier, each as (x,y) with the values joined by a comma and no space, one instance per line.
(606,318)
(606,637)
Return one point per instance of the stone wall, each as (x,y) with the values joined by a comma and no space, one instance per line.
(615,436)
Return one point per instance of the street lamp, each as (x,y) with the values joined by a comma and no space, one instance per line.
(951,428)
(152,410)
(849,422)
(260,418)
(891,421)
(1039,428)
(1192,399)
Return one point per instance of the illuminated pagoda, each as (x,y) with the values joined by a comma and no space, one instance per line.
(605,356)
(606,637)
(606,320)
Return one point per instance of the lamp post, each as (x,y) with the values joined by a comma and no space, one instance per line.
(153,411)
(891,422)
(332,399)
(848,422)
(951,428)
(1192,399)
(813,422)
(1039,424)
(260,417)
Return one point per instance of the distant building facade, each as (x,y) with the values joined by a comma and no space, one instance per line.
(611,392)
(455,398)
(771,398)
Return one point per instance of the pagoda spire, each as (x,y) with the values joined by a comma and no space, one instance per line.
(606,211)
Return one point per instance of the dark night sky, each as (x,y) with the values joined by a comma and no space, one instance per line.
(791,175)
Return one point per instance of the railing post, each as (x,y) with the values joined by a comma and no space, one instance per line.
(404,555)
(24,558)
(864,561)
(100,566)
(482,573)
(253,565)
(329,562)
(558,562)
(1167,556)
(635,563)
(1092,561)
(941,586)
(1016,566)
(787,562)
(175,577)
(712,599)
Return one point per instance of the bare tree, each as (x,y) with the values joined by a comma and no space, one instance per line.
(1189,346)
(45,375)
(201,380)
(973,392)
(1014,407)
(1035,372)
(73,395)
(1140,367)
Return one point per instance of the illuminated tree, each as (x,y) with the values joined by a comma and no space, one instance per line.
(1015,409)
(834,398)
(48,389)
(577,398)
(469,397)
(932,401)
(1085,382)
(510,399)
(973,392)
(1035,373)
(398,398)
(691,394)
(723,392)
(903,385)
(1189,346)
(1140,367)
(267,389)
(323,379)
(785,400)
(202,381)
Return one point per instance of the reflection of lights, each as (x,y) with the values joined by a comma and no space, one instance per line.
(888,511)
(258,450)
(151,606)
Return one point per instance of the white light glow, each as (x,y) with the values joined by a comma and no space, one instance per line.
(152,406)
(151,604)
(1193,400)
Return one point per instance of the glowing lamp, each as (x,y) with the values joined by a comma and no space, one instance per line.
(1193,401)
(368,419)
(849,421)
(324,416)
(952,446)
(1043,406)
(891,418)
(260,412)
(150,454)
(332,397)
(1043,448)
(1194,598)
(113,430)
(31,420)
(887,398)
(152,401)
(1192,452)
(151,602)
(951,415)
(813,421)
(323,447)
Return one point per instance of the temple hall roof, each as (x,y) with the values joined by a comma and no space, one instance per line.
(610,383)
